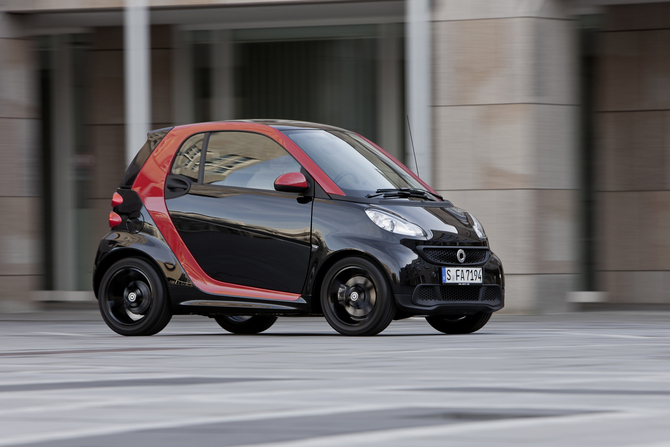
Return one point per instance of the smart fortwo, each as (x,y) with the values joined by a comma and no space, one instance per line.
(245,221)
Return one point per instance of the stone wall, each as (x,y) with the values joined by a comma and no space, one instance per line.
(633,153)
(19,170)
(504,111)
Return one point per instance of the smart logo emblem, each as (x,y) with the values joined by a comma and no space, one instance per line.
(460,255)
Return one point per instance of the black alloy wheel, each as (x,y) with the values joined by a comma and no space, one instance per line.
(356,298)
(464,324)
(242,324)
(132,298)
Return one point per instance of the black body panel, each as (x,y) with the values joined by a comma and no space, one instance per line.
(137,235)
(227,242)
(191,300)
(288,241)
(243,236)
(340,227)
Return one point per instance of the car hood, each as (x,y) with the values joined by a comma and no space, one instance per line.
(447,224)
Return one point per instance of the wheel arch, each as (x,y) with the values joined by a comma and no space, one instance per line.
(330,261)
(123,253)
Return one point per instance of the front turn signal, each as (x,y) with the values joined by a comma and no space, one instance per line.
(114,220)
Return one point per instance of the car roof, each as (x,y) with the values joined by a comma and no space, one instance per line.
(281,125)
(291,124)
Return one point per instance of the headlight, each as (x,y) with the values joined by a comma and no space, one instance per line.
(478,227)
(394,224)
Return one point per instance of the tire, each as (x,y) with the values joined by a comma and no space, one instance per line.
(356,298)
(466,324)
(245,325)
(132,298)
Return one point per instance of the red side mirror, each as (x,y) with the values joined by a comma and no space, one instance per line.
(291,182)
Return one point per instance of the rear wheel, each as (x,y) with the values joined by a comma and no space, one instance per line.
(132,298)
(240,324)
(356,298)
(464,324)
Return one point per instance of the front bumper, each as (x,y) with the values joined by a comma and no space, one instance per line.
(424,294)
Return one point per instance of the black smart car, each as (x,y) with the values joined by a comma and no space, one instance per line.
(245,221)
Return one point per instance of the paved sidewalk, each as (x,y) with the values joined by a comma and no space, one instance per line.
(586,379)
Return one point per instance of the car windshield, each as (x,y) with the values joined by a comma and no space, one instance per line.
(356,166)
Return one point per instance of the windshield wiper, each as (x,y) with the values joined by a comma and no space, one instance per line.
(405,192)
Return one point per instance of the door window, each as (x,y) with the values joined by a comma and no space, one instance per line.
(247,160)
(187,161)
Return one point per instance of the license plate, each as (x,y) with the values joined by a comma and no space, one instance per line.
(461,275)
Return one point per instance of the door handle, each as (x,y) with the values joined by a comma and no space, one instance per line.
(176,185)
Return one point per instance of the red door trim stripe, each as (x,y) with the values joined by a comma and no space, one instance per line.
(150,184)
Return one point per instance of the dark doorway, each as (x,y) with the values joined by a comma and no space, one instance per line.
(328,81)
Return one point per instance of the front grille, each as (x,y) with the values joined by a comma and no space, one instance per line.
(491,294)
(449,255)
(429,295)
(424,294)
(456,293)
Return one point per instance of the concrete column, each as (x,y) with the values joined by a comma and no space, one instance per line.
(182,80)
(223,106)
(506,135)
(418,85)
(62,171)
(137,57)
(20,268)
(390,117)
(105,124)
(633,154)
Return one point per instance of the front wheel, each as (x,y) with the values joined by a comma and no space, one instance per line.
(356,298)
(132,298)
(465,324)
(239,324)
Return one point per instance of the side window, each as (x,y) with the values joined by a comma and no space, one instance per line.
(187,161)
(246,160)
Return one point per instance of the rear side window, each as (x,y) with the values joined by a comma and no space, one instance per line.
(153,138)
(246,160)
(188,159)
(136,165)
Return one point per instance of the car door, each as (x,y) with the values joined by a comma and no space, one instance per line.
(226,210)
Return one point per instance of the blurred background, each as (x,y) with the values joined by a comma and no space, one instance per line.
(548,119)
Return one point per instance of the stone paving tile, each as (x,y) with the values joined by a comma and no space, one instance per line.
(571,379)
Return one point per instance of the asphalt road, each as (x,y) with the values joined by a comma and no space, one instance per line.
(589,379)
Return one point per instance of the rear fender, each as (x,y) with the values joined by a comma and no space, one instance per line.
(137,235)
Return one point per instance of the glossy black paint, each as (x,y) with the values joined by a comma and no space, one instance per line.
(341,228)
(287,241)
(137,235)
(250,237)
(191,300)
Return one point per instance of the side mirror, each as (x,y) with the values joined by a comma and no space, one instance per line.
(291,182)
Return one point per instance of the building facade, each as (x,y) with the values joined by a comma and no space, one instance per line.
(548,119)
